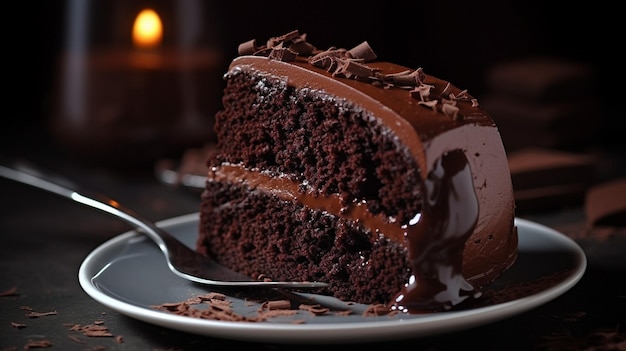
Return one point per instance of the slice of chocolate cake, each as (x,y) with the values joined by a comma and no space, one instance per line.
(387,183)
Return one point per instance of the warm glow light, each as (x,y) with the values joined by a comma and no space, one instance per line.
(147,30)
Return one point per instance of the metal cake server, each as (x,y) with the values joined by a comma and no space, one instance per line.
(181,259)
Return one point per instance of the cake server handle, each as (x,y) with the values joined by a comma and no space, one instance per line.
(182,260)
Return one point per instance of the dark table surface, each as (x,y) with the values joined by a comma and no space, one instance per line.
(44,239)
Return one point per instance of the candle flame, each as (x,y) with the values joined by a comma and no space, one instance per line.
(147,29)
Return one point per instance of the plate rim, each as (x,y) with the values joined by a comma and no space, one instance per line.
(330,332)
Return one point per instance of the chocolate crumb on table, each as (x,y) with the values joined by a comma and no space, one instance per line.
(37,344)
(9,292)
(41,314)
(76,339)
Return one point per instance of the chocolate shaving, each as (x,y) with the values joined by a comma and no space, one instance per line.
(450,109)
(351,64)
(76,339)
(276,305)
(444,93)
(352,69)
(248,48)
(301,46)
(343,313)
(377,310)
(283,54)
(97,329)
(275,313)
(315,309)
(421,91)
(363,51)
(216,306)
(9,292)
(328,60)
(37,344)
(92,330)
(286,38)
(283,48)
(432,104)
(41,314)
(406,79)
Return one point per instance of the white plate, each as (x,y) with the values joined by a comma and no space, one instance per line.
(129,275)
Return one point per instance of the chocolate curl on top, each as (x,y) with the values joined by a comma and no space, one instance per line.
(302,47)
(248,48)
(363,51)
(350,68)
(462,96)
(351,64)
(283,54)
(327,59)
(451,110)
(275,47)
(419,75)
(448,101)
(444,93)
(275,41)
(432,104)
(406,79)
(294,41)
(422,92)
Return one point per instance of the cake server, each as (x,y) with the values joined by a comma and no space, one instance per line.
(182,260)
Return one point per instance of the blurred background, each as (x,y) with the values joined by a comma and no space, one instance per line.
(485,47)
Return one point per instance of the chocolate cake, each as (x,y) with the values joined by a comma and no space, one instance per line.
(388,184)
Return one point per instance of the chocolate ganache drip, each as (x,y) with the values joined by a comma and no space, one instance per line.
(437,240)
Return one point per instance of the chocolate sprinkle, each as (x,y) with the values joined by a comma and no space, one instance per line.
(351,64)
(37,344)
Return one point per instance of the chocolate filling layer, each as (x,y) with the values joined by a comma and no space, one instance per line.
(287,189)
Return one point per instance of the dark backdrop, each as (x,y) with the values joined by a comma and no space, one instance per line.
(458,41)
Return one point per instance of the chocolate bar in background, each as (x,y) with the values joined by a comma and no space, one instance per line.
(560,125)
(547,179)
(542,80)
(543,102)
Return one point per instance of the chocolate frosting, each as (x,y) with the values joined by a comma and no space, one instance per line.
(465,236)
